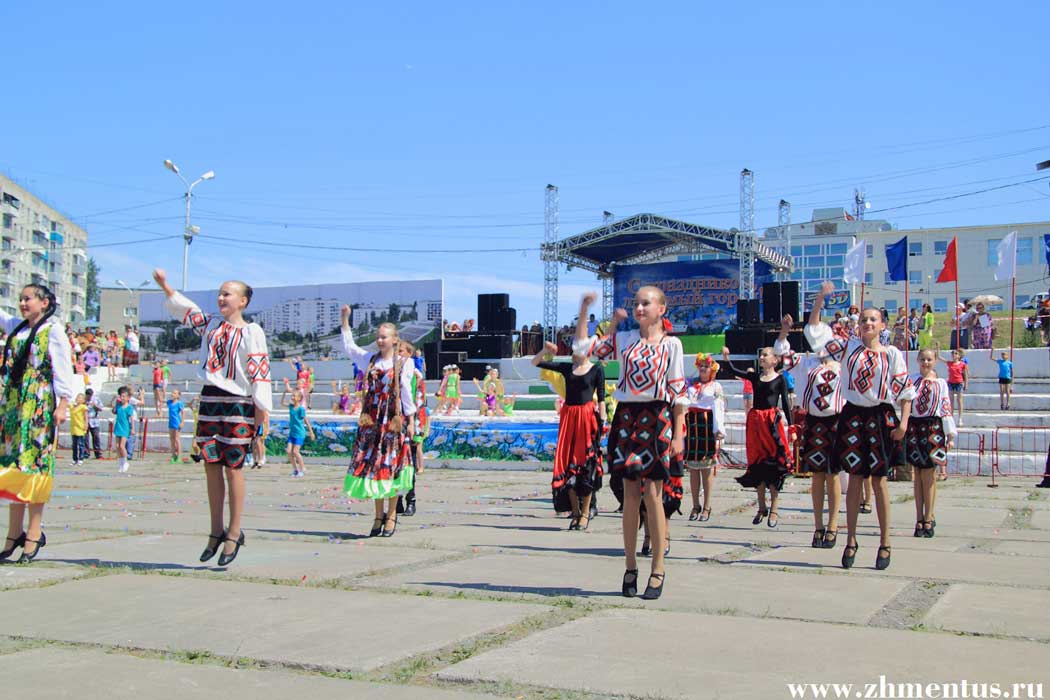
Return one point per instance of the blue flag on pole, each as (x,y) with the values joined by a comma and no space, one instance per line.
(1046,247)
(897,260)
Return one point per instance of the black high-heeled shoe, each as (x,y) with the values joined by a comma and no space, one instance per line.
(818,539)
(653,592)
(929,531)
(389,533)
(830,538)
(26,556)
(225,558)
(210,550)
(759,516)
(630,588)
(882,562)
(646,548)
(848,557)
(19,541)
(377,526)
(918,530)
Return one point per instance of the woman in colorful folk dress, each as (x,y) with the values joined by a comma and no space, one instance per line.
(873,378)
(236,397)
(704,429)
(37,377)
(768,449)
(578,457)
(931,434)
(649,426)
(381,466)
(822,402)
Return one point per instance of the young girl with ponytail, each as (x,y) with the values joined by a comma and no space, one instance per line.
(381,466)
(37,376)
(236,398)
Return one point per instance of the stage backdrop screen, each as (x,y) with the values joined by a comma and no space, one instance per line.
(701,294)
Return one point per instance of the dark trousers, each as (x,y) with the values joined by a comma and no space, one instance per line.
(96,442)
(80,450)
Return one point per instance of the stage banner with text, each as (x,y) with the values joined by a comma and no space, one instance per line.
(701,295)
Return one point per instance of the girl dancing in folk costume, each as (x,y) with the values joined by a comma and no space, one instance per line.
(822,402)
(649,426)
(578,456)
(381,466)
(237,397)
(931,433)
(768,451)
(868,435)
(704,423)
(452,390)
(37,375)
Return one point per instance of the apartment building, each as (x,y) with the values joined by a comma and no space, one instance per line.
(39,244)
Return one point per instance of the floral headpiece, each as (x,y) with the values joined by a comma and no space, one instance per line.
(705,360)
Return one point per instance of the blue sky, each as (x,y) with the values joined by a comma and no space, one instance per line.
(436,126)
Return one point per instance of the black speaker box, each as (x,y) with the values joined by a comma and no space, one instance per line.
(779,298)
(490,307)
(457,344)
(745,341)
(488,347)
(472,370)
(504,320)
(432,360)
(747,312)
(449,358)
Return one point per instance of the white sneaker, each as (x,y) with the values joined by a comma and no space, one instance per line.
(263,462)
(123,467)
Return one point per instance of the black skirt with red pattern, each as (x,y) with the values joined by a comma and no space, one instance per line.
(225,426)
(640,441)
(863,444)
(673,489)
(817,452)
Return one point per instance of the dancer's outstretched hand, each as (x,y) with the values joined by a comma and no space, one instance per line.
(619,316)
(588,299)
(161,278)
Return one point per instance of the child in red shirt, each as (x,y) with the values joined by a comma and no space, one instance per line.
(958,381)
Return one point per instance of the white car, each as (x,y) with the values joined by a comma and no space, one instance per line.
(1035,301)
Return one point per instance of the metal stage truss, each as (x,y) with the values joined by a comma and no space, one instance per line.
(644,238)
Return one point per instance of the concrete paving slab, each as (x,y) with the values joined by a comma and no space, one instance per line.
(1022,613)
(930,564)
(1041,519)
(1023,549)
(613,640)
(125,677)
(15,576)
(259,558)
(548,537)
(709,588)
(282,624)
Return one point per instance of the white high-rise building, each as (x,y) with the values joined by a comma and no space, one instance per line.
(302,316)
(39,244)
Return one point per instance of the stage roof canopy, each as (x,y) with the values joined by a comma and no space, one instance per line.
(648,237)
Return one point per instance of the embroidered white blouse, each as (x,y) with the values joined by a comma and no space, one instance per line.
(822,396)
(932,400)
(711,397)
(648,371)
(233,359)
(872,377)
(362,357)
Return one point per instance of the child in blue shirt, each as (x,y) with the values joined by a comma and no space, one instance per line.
(298,425)
(1006,378)
(175,407)
(125,415)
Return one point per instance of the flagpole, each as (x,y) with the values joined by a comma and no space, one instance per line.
(1013,296)
(958,317)
(862,297)
(908,309)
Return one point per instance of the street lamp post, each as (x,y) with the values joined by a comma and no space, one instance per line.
(190,231)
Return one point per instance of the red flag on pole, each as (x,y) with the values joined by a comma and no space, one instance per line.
(950,272)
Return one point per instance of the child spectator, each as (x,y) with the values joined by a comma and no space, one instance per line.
(298,426)
(175,407)
(124,416)
(1006,378)
(958,382)
(78,429)
(94,410)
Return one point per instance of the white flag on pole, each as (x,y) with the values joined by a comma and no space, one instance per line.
(1007,252)
(853,269)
